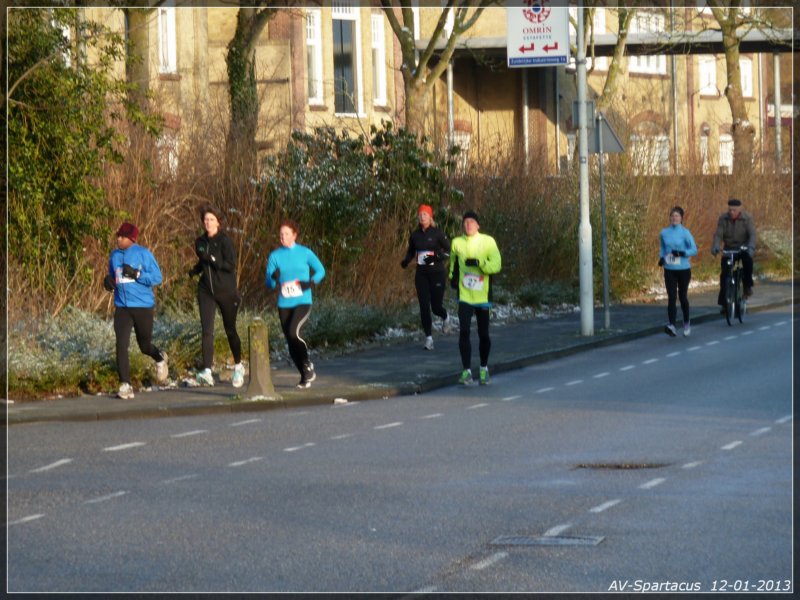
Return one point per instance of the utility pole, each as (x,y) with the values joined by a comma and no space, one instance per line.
(585,227)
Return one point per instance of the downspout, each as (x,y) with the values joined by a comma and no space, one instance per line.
(761,98)
(525,120)
(450,111)
(776,82)
(674,61)
(558,122)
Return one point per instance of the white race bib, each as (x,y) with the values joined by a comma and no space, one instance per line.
(472,282)
(421,256)
(671,259)
(291,289)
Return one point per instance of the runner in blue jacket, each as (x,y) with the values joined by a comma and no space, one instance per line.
(289,269)
(677,245)
(132,273)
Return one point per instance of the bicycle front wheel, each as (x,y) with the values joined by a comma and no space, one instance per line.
(741,301)
(730,301)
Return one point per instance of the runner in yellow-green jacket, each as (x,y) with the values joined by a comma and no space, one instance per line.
(474,258)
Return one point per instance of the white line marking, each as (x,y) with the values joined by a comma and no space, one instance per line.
(692,465)
(603,374)
(605,506)
(673,354)
(628,367)
(432,416)
(574,382)
(761,431)
(247,422)
(652,483)
(693,348)
(306,445)
(543,390)
(712,343)
(426,590)
(649,361)
(105,498)
(488,562)
(732,445)
(342,436)
(389,425)
(557,530)
(783,420)
(54,465)
(765,327)
(730,337)
(181,478)
(27,519)
(188,433)
(123,447)
(780,323)
(474,406)
(510,398)
(748,333)
(246,461)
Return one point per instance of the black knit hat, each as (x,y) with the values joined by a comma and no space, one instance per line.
(734,202)
(471,214)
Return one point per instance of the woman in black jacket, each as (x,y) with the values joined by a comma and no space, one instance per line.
(429,247)
(216,266)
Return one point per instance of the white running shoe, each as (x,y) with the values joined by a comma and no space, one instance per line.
(238,375)
(205,377)
(125,391)
(687,329)
(162,370)
(446,325)
(670,330)
(428,343)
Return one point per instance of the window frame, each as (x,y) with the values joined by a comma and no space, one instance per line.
(649,64)
(167,40)
(707,75)
(746,76)
(379,79)
(314,56)
(348,10)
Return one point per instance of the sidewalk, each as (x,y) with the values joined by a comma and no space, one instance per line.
(400,368)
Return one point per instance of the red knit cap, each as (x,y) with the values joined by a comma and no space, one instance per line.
(424,208)
(128,230)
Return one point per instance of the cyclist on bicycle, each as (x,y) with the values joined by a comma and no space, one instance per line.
(735,229)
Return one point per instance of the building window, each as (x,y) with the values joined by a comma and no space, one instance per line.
(167,149)
(314,55)
(708,75)
(378,61)
(599,63)
(650,154)
(725,153)
(346,72)
(746,70)
(704,164)
(647,22)
(167,45)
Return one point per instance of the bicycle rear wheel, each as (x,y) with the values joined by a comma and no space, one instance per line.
(741,302)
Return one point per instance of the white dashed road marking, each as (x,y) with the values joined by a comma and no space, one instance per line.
(488,562)
(692,465)
(730,337)
(123,447)
(693,348)
(650,361)
(652,483)
(783,420)
(105,498)
(557,530)
(628,367)
(27,519)
(188,433)
(672,354)
(761,431)
(604,506)
(246,461)
(603,374)
(247,422)
(434,415)
(342,436)
(732,445)
(712,343)
(54,465)
(764,328)
(294,448)
(747,333)
(389,425)
(574,382)
(474,406)
(181,478)
(510,398)
(544,389)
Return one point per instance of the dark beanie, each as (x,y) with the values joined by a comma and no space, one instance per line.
(471,214)
(734,202)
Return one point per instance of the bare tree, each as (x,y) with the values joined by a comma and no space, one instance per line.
(419,76)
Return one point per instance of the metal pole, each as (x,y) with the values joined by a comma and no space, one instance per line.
(558,123)
(604,231)
(674,60)
(450,109)
(776,82)
(585,227)
(525,125)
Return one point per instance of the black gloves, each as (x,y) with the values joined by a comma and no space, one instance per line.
(454,283)
(129,271)
(429,259)
(306,285)
(471,262)
(404,263)
(276,275)
(109,283)
(660,261)
(678,253)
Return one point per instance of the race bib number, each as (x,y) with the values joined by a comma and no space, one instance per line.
(472,282)
(421,256)
(671,259)
(291,289)
(121,278)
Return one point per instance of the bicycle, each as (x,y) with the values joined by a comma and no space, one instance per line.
(735,300)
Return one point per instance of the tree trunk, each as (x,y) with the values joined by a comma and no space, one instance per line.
(742,130)
(416,106)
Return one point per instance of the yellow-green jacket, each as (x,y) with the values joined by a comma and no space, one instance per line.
(474,283)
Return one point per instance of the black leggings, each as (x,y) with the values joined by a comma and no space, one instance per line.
(677,283)
(141,319)
(430,293)
(228,305)
(465,312)
(292,319)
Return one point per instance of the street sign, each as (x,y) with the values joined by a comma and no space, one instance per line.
(537,34)
(609,142)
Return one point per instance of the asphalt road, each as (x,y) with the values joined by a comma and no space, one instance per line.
(659,462)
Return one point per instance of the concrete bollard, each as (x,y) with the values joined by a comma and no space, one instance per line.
(260,376)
